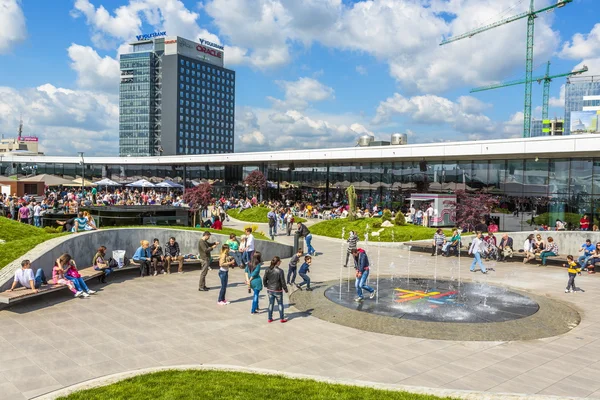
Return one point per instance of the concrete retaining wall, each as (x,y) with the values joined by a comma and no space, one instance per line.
(569,242)
(82,246)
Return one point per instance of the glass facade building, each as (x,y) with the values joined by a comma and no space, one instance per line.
(206,108)
(577,87)
(176,98)
(137,117)
(555,177)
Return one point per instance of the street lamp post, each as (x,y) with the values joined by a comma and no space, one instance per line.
(82,162)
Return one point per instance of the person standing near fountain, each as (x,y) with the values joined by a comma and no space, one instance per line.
(303,231)
(477,249)
(352,245)
(292,266)
(573,270)
(361,263)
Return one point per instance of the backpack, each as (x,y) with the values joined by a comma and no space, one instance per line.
(271,221)
(112,263)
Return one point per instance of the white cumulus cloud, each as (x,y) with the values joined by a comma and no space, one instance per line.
(300,93)
(65,120)
(93,71)
(13,29)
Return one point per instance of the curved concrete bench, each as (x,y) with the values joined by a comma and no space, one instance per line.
(82,246)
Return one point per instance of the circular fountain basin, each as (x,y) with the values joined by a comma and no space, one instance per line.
(438,301)
(440,309)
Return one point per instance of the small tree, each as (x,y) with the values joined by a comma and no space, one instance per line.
(256,180)
(351,203)
(471,208)
(400,219)
(198,198)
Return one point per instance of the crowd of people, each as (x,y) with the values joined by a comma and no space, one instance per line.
(29,209)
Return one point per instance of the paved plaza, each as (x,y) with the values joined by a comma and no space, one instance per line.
(55,341)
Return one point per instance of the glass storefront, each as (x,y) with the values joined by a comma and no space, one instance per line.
(548,189)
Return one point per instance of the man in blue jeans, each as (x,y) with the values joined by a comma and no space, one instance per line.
(587,248)
(303,231)
(24,276)
(361,263)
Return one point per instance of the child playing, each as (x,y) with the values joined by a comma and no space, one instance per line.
(304,270)
(292,267)
(573,269)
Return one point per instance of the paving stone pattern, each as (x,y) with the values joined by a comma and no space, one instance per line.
(55,341)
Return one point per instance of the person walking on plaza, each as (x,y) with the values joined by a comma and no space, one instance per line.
(27,279)
(204,249)
(550,251)
(289,221)
(274,281)
(248,247)
(253,280)
(142,256)
(272,218)
(587,248)
(292,267)
(173,253)
(37,214)
(573,270)
(352,245)
(225,262)
(303,231)
(304,270)
(361,264)
(477,249)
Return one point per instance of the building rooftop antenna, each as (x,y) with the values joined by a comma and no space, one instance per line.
(20,131)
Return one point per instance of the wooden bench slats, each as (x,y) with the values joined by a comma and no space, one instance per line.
(86,273)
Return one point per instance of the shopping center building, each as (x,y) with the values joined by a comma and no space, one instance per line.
(555,174)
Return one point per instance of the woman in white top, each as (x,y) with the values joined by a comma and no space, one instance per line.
(529,248)
(477,249)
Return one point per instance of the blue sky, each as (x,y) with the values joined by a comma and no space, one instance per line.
(316,73)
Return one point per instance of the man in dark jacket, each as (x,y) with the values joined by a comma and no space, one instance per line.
(204,249)
(361,263)
(274,281)
(303,231)
(505,248)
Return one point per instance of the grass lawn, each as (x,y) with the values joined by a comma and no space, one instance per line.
(20,238)
(333,228)
(233,385)
(254,214)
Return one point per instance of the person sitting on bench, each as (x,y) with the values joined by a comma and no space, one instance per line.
(173,253)
(142,256)
(25,277)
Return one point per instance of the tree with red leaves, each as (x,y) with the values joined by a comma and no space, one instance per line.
(472,208)
(256,180)
(198,198)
